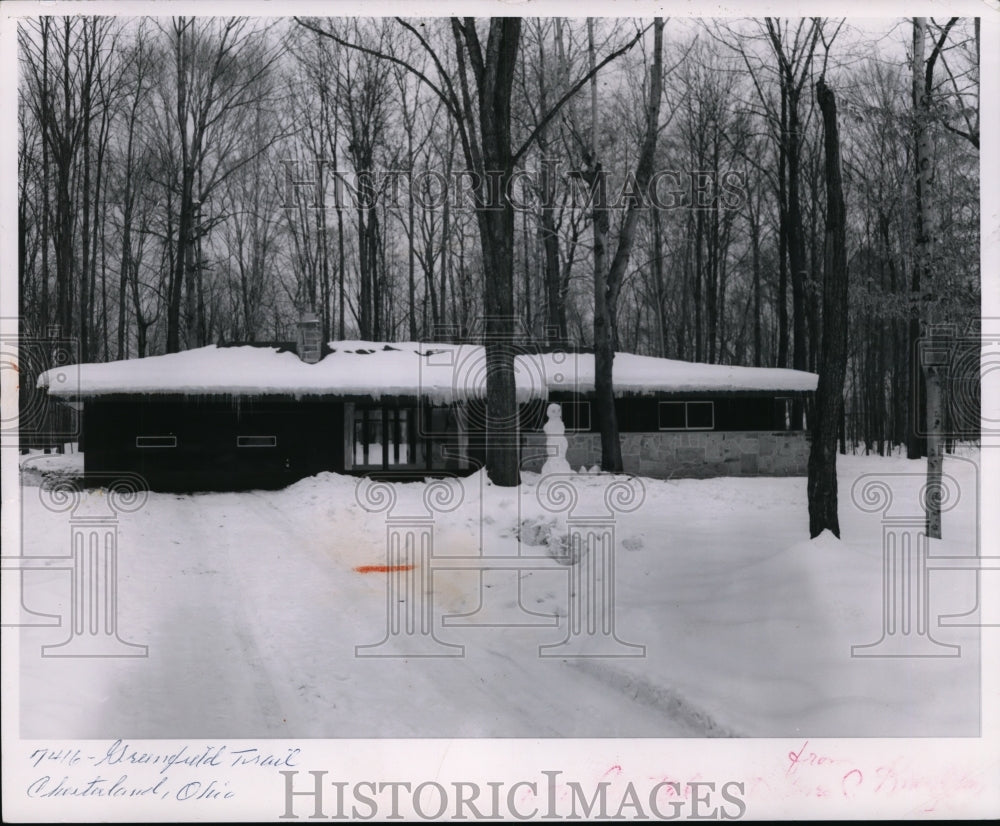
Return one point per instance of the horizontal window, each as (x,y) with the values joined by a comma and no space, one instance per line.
(156,441)
(672,416)
(256,441)
(686,415)
(700,415)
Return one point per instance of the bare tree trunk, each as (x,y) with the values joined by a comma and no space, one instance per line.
(100,222)
(783,237)
(604,346)
(796,252)
(46,211)
(935,457)
(661,288)
(85,209)
(445,254)
(926,230)
(607,288)
(916,444)
(699,268)
(411,290)
(497,238)
(341,255)
(754,219)
(829,408)
(604,354)
(555,299)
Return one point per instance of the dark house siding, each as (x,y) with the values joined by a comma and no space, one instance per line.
(230,443)
(184,443)
(203,443)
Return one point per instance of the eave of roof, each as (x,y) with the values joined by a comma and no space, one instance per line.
(439,373)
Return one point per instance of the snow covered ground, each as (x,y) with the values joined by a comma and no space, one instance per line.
(252,604)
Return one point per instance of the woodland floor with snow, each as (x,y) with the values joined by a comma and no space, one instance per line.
(251,605)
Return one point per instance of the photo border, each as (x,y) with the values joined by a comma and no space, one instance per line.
(942,769)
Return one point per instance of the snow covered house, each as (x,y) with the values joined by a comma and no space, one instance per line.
(263,416)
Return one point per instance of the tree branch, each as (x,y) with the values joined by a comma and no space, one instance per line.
(433,55)
(572,92)
(383,56)
(972,136)
(932,59)
(473,47)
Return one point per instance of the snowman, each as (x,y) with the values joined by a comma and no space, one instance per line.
(555,442)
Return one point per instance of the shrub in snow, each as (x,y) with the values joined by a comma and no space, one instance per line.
(535,531)
(551,534)
(561,551)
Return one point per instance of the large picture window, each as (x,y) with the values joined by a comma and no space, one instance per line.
(686,415)
(383,437)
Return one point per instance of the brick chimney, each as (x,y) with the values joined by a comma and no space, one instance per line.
(308,339)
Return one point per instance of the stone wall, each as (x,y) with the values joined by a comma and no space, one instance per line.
(686,454)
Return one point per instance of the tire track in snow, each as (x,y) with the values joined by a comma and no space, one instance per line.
(281,665)
(663,698)
(200,672)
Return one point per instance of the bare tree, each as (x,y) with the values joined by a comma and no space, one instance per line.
(608,278)
(219,75)
(481,110)
(65,60)
(363,89)
(829,407)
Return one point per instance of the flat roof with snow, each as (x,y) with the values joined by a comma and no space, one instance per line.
(441,373)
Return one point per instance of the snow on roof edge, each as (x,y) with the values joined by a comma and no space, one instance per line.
(439,372)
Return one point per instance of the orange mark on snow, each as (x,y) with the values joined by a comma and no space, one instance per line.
(382,569)
(13,365)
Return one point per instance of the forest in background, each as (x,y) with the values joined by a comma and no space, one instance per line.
(178,184)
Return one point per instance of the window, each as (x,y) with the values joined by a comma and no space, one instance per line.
(672,416)
(156,441)
(687,415)
(383,437)
(700,415)
(576,415)
(782,413)
(256,441)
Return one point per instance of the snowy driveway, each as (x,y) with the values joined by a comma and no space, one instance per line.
(251,606)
